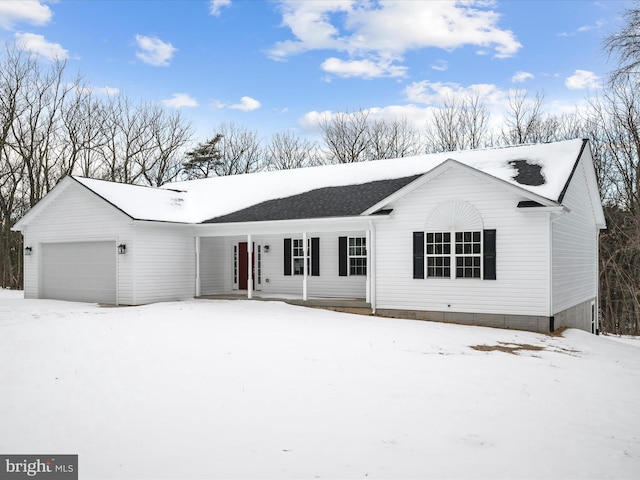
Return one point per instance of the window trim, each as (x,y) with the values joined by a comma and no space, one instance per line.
(295,257)
(445,256)
(453,255)
(313,256)
(464,255)
(361,256)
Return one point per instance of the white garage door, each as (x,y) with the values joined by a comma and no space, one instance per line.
(79,271)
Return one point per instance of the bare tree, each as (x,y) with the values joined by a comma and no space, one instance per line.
(475,121)
(445,128)
(614,127)
(240,150)
(624,45)
(345,136)
(170,133)
(458,124)
(287,151)
(392,139)
(523,119)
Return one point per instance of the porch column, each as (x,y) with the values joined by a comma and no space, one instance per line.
(304,266)
(197,266)
(371,266)
(368,283)
(249,267)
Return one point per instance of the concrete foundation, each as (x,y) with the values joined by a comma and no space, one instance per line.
(519,322)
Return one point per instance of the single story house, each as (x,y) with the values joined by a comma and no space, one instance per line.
(502,237)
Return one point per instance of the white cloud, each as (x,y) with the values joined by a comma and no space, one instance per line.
(107,90)
(440,65)
(424,98)
(30,11)
(385,29)
(415,115)
(584,28)
(432,93)
(247,104)
(583,79)
(215,6)
(154,51)
(180,100)
(520,77)
(39,45)
(362,68)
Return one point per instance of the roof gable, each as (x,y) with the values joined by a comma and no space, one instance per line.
(453,164)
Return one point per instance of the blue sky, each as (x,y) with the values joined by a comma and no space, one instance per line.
(272,66)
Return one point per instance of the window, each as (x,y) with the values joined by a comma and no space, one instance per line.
(294,256)
(468,254)
(235,264)
(439,254)
(259,266)
(357,255)
(464,250)
(298,257)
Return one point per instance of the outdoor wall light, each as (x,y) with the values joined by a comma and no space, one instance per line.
(266,249)
(28,250)
(122,249)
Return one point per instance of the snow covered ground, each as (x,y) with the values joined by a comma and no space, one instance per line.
(239,389)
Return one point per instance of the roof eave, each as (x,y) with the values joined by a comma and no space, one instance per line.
(291,225)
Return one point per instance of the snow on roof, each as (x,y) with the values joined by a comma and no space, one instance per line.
(142,203)
(540,169)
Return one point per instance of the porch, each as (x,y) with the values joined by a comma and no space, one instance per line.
(346,305)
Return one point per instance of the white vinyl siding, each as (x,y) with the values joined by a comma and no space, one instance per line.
(212,266)
(575,247)
(522,252)
(164,262)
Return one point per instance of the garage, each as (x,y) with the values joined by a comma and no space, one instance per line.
(79,271)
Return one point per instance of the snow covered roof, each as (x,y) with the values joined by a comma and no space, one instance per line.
(543,170)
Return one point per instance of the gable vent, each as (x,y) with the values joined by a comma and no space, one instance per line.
(454,216)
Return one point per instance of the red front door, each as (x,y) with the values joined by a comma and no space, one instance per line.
(243,271)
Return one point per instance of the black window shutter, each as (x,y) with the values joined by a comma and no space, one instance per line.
(418,254)
(343,269)
(315,257)
(489,244)
(287,256)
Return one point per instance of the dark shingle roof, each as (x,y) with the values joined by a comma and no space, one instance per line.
(348,200)
(528,173)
